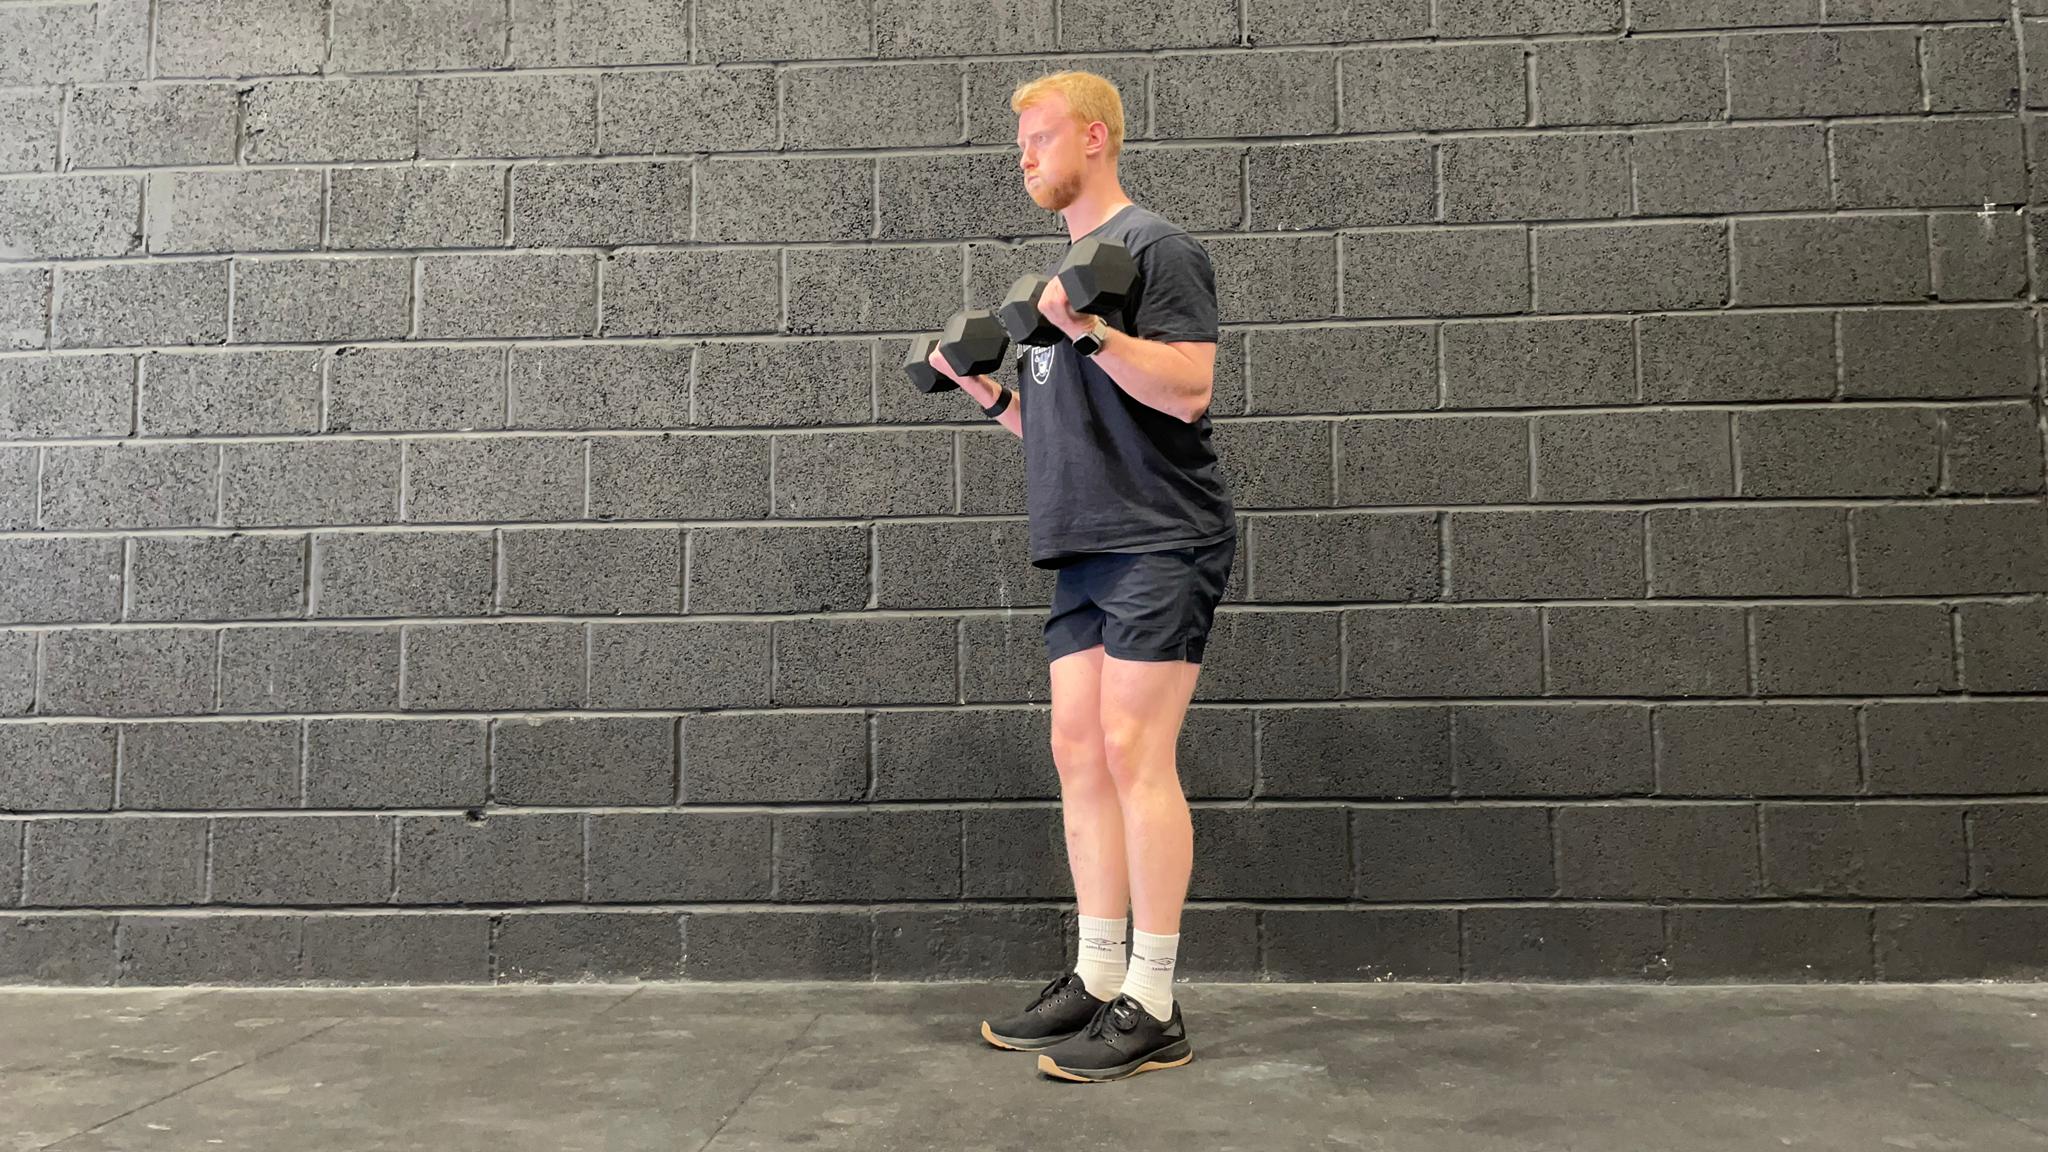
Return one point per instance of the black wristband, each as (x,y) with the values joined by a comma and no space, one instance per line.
(1001,405)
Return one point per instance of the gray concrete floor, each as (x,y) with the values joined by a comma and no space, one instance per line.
(684,1068)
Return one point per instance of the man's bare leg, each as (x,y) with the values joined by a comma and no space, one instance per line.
(1143,706)
(1095,824)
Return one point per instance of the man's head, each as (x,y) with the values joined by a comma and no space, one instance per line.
(1070,127)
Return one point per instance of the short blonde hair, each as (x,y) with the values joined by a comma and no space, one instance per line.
(1089,97)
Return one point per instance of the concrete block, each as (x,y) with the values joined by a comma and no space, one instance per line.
(1792,944)
(416,389)
(501,479)
(18,500)
(570,33)
(1578,176)
(1275,463)
(1649,455)
(867,855)
(1738,356)
(397,949)
(73,44)
(1578,750)
(230,394)
(577,946)
(125,305)
(563,205)
(1822,74)
(1982,942)
(435,34)
(418,207)
(499,859)
(1538,363)
(1548,555)
(2003,647)
(821,569)
(391,763)
(1816,452)
(1346,556)
(87,862)
(1296,186)
(1906,11)
(1742,168)
(1016,854)
(1273,656)
(592,571)
(1972,69)
(1290,853)
(1436,460)
(1360,944)
(534,294)
(1659,650)
(1949,549)
(24,308)
(1005,659)
(1669,15)
(1865,850)
(775,758)
(1461,853)
(314,299)
(1244,94)
(679,477)
(1434,89)
(890,660)
(299,860)
(923,197)
(967,943)
(964,754)
(215,949)
(1978,255)
(2003,842)
(1930,162)
(785,384)
(240,37)
(1274,278)
(604,760)
(1946,353)
(729,30)
(678,857)
(1748,552)
(60,580)
(1526,17)
(402,574)
(1979,747)
(698,110)
(217,578)
(1853,649)
(28,140)
(1436,272)
(129,486)
(1629,81)
(992,475)
(71,951)
(599,386)
(873,289)
(494,666)
(1125,25)
(1348,752)
(300,669)
(814,198)
(679,666)
(970,564)
(506,116)
(18,656)
(1308,22)
(1631,267)
(872,106)
(793,945)
(234,211)
(67,396)
(863,474)
(57,767)
(1200,189)
(323,121)
(1431,651)
(310,482)
(152,125)
(1993,450)
(685,292)
(1757,750)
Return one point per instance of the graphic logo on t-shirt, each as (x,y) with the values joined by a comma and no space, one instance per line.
(1041,364)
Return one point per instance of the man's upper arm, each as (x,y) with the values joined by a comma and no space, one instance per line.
(1177,302)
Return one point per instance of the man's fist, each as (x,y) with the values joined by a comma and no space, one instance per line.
(1053,305)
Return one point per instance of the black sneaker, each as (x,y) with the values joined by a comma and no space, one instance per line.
(1122,1040)
(1060,1010)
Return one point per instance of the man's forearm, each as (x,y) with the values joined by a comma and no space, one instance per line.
(983,390)
(1158,375)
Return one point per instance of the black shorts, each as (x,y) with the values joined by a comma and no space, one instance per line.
(1139,605)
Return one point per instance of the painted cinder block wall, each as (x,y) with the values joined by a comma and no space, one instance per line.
(461,517)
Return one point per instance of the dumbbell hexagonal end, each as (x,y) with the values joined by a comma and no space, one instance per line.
(974,342)
(917,366)
(1099,275)
(1020,316)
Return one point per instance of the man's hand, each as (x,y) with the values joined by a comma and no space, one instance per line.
(1052,304)
(939,364)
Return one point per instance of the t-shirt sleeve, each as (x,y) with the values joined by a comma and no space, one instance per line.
(1178,299)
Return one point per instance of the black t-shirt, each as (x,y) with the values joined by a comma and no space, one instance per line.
(1104,472)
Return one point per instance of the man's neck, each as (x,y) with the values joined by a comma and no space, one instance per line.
(1091,208)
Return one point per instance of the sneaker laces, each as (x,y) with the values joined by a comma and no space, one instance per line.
(1046,993)
(1107,1016)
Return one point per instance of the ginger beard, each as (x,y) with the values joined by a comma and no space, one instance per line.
(1051,194)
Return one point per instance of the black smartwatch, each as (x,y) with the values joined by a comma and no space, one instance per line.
(1002,403)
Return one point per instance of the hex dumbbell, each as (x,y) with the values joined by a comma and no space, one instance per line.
(973,344)
(1098,276)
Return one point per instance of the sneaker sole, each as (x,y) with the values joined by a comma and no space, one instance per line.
(1104,1075)
(1019,1044)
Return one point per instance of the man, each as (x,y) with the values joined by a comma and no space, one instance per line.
(1126,501)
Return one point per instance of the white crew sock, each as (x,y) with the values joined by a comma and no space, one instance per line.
(1101,959)
(1150,979)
